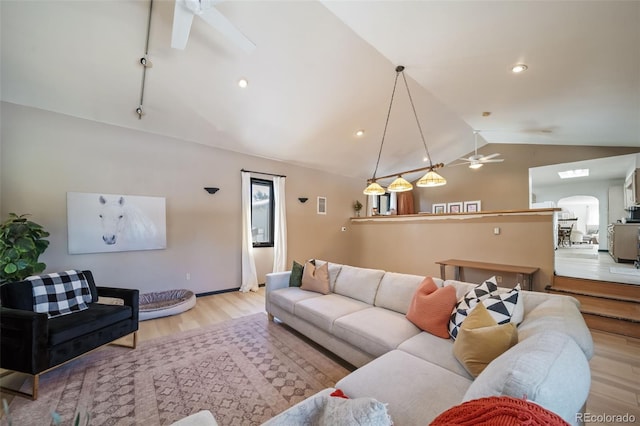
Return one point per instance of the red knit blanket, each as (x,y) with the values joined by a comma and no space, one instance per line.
(498,411)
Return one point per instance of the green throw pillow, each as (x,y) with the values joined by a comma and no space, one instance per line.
(295,280)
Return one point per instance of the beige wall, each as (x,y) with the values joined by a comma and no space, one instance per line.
(505,186)
(45,154)
(414,246)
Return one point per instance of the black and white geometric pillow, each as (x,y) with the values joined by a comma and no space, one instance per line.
(468,302)
(503,306)
(60,293)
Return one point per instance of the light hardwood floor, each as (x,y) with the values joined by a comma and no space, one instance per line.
(585,261)
(615,367)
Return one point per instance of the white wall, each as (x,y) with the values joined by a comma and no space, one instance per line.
(44,155)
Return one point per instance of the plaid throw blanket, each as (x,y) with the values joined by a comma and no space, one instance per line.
(60,293)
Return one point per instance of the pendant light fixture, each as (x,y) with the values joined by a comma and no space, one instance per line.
(400,184)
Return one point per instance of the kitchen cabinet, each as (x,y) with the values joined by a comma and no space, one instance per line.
(632,189)
(623,241)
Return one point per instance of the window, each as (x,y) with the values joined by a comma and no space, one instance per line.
(262,212)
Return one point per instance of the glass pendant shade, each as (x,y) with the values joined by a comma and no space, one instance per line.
(374,189)
(431,179)
(400,185)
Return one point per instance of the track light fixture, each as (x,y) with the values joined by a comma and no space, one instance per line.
(146,63)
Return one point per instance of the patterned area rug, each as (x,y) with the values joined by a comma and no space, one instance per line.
(244,371)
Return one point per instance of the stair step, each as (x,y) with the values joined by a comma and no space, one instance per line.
(608,307)
(612,325)
(604,289)
(598,294)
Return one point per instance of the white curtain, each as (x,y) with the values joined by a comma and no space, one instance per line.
(279,226)
(249,275)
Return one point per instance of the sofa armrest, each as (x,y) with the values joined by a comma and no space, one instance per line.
(25,335)
(275,281)
(130,297)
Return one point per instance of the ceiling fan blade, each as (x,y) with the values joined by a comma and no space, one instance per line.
(220,22)
(497,160)
(182,19)
(488,157)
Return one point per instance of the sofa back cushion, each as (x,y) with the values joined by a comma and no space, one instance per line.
(358,283)
(396,291)
(548,368)
(558,313)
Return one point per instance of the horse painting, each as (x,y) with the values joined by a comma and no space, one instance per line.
(113,222)
(123,221)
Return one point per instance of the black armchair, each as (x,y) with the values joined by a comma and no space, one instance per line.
(33,343)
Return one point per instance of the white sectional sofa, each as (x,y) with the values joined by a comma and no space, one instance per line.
(363,321)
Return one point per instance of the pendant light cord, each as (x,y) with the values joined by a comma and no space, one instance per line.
(415,114)
(386,123)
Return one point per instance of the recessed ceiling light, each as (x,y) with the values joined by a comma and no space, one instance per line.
(569,174)
(359,133)
(519,68)
(243,83)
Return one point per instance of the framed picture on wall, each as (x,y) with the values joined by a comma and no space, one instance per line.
(472,206)
(439,208)
(322,205)
(100,223)
(454,207)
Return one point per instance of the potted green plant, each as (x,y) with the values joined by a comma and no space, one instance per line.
(21,244)
(357,206)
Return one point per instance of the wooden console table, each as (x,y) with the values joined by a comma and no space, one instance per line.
(524,274)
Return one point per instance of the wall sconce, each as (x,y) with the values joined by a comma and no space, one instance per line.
(211,190)
(303,199)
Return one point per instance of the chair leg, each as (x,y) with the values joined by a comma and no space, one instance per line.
(127,345)
(35,380)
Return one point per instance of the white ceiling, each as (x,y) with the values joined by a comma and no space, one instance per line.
(600,169)
(322,70)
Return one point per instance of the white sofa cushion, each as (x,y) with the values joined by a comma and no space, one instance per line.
(324,310)
(416,391)
(396,290)
(547,368)
(559,314)
(358,283)
(286,298)
(374,330)
(436,350)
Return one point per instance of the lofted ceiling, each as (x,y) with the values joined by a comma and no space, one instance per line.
(322,70)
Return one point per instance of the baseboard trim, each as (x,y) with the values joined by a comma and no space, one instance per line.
(228,290)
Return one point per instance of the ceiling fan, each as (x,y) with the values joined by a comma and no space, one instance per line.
(476,161)
(184,12)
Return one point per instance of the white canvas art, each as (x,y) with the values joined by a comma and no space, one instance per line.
(100,223)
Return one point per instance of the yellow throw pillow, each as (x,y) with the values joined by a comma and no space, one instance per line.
(316,278)
(481,340)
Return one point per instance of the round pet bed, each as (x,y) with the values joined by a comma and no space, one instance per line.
(165,303)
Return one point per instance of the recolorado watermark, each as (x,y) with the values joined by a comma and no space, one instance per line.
(605,418)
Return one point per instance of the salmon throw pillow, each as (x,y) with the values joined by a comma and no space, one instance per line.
(431,307)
